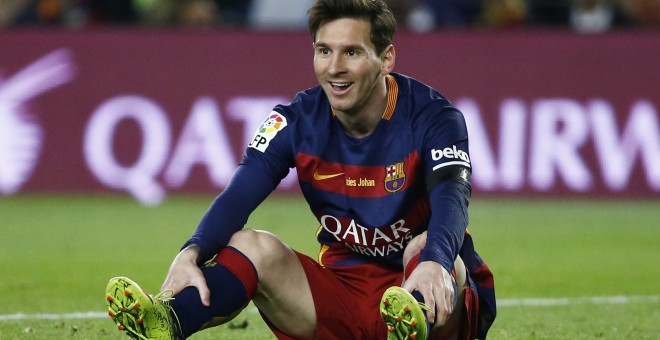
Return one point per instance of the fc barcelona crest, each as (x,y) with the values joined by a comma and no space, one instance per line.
(395,177)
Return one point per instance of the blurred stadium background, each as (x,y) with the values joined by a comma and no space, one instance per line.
(593,16)
(128,117)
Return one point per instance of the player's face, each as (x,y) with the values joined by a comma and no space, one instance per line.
(348,68)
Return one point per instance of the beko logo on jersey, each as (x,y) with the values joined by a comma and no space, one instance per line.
(267,131)
(459,157)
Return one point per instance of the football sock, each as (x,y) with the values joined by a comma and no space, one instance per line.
(232,280)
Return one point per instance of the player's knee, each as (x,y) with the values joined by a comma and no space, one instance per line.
(414,247)
(461,276)
(243,238)
(258,245)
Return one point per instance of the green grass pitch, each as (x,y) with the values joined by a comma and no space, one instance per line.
(564,269)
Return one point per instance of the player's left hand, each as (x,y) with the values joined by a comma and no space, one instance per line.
(435,284)
(184,272)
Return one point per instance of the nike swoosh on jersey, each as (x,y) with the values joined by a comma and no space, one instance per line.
(319,177)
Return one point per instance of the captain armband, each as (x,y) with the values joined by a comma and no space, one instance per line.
(455,174)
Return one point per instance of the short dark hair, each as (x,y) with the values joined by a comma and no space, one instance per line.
(383,24)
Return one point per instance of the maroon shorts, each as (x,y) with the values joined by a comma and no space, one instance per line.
(347,299)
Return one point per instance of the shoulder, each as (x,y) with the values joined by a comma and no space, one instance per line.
(304,103)
(421,93)
(297,115)
(420,102)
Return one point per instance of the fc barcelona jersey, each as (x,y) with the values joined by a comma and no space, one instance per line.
(369,194)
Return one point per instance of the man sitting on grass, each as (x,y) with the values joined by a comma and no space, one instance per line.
(383,162)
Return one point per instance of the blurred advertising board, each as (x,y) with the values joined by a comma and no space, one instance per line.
(151,113)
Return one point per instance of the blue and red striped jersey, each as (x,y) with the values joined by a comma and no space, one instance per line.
(369,194)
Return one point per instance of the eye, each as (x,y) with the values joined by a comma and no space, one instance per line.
(323,50)
(351,53)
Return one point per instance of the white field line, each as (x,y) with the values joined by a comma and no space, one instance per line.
(52,316)
(596,300)
(532,302)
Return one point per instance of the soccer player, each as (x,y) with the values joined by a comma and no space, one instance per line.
(383,163)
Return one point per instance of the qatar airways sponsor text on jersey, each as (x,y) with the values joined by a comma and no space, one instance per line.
(383,241)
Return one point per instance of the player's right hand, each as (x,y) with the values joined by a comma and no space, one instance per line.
(184,272)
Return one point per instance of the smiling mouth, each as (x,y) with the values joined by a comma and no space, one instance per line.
(340,86)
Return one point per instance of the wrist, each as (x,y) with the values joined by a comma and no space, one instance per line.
(191,252)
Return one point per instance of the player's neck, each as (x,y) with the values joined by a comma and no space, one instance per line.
(359,126)
(360,123)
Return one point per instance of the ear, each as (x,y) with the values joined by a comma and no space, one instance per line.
(387,57)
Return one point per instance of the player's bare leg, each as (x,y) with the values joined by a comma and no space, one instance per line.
(254,266)
(451,328)
(283,294)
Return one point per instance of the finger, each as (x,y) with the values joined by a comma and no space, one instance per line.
(204,292)
(429,301)
(448,292)
(444,308)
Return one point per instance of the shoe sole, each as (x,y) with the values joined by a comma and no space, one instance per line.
(403,315)
(123,297)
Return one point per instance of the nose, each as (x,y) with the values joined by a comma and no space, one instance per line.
(337,64)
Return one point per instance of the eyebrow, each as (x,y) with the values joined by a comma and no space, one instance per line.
(342,47)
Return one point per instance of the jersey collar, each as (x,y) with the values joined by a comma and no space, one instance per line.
(392,95)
